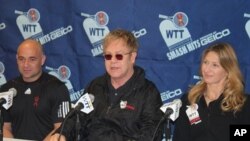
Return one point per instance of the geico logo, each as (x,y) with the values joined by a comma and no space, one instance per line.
(59,32)
(67,29)
(221,34)
(140,33)
(172,94)
(214,36)
(2,26)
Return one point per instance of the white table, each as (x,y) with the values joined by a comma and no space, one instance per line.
(13,139)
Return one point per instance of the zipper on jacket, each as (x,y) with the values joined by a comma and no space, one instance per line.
(109,107)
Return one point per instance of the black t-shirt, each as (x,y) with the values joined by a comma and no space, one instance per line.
(116,94)
(36,107)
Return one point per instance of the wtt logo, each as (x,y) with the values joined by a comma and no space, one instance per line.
(247,26)
(28,23)
(174,31)
(95,26)
(239,132)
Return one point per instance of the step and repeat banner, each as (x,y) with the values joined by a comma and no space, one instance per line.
(171,33)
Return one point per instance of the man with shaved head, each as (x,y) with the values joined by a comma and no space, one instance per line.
(30,58)
(42,100)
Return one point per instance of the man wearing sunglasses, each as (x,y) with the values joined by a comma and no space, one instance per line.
(126,105)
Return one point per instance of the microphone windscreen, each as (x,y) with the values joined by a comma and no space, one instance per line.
(13,90)
(92,97)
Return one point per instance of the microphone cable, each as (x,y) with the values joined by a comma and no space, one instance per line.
(166,115)
(157,127)
(64,121)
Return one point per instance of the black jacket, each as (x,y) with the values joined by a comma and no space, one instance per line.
(110,122)
(214,125)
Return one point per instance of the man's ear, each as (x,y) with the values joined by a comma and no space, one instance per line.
(43,59)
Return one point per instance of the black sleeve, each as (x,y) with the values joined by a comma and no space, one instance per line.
(151,114)
(60,103)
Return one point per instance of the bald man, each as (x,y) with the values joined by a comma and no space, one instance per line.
(42,100)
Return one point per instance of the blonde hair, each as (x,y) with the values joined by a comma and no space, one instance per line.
(124,35)
(233,94)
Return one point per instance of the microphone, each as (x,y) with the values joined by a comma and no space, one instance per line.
(171,110)
(83,104)
(6,98)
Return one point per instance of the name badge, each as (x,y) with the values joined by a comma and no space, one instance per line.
(193,115)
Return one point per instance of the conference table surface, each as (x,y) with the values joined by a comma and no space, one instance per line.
(13,139)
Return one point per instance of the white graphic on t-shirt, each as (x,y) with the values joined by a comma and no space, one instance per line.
(28,91)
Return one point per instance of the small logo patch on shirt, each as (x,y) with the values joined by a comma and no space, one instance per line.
(28,91)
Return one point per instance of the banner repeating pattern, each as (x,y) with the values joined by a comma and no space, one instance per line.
(171,34)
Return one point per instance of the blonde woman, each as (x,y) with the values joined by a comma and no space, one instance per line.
(217,102)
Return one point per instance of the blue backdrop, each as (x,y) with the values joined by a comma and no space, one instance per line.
(171,33)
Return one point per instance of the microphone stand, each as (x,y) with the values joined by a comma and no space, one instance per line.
(78,127)
(165,117)
(168,130)
(167,114)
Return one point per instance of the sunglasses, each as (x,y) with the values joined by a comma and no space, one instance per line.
(117,56)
